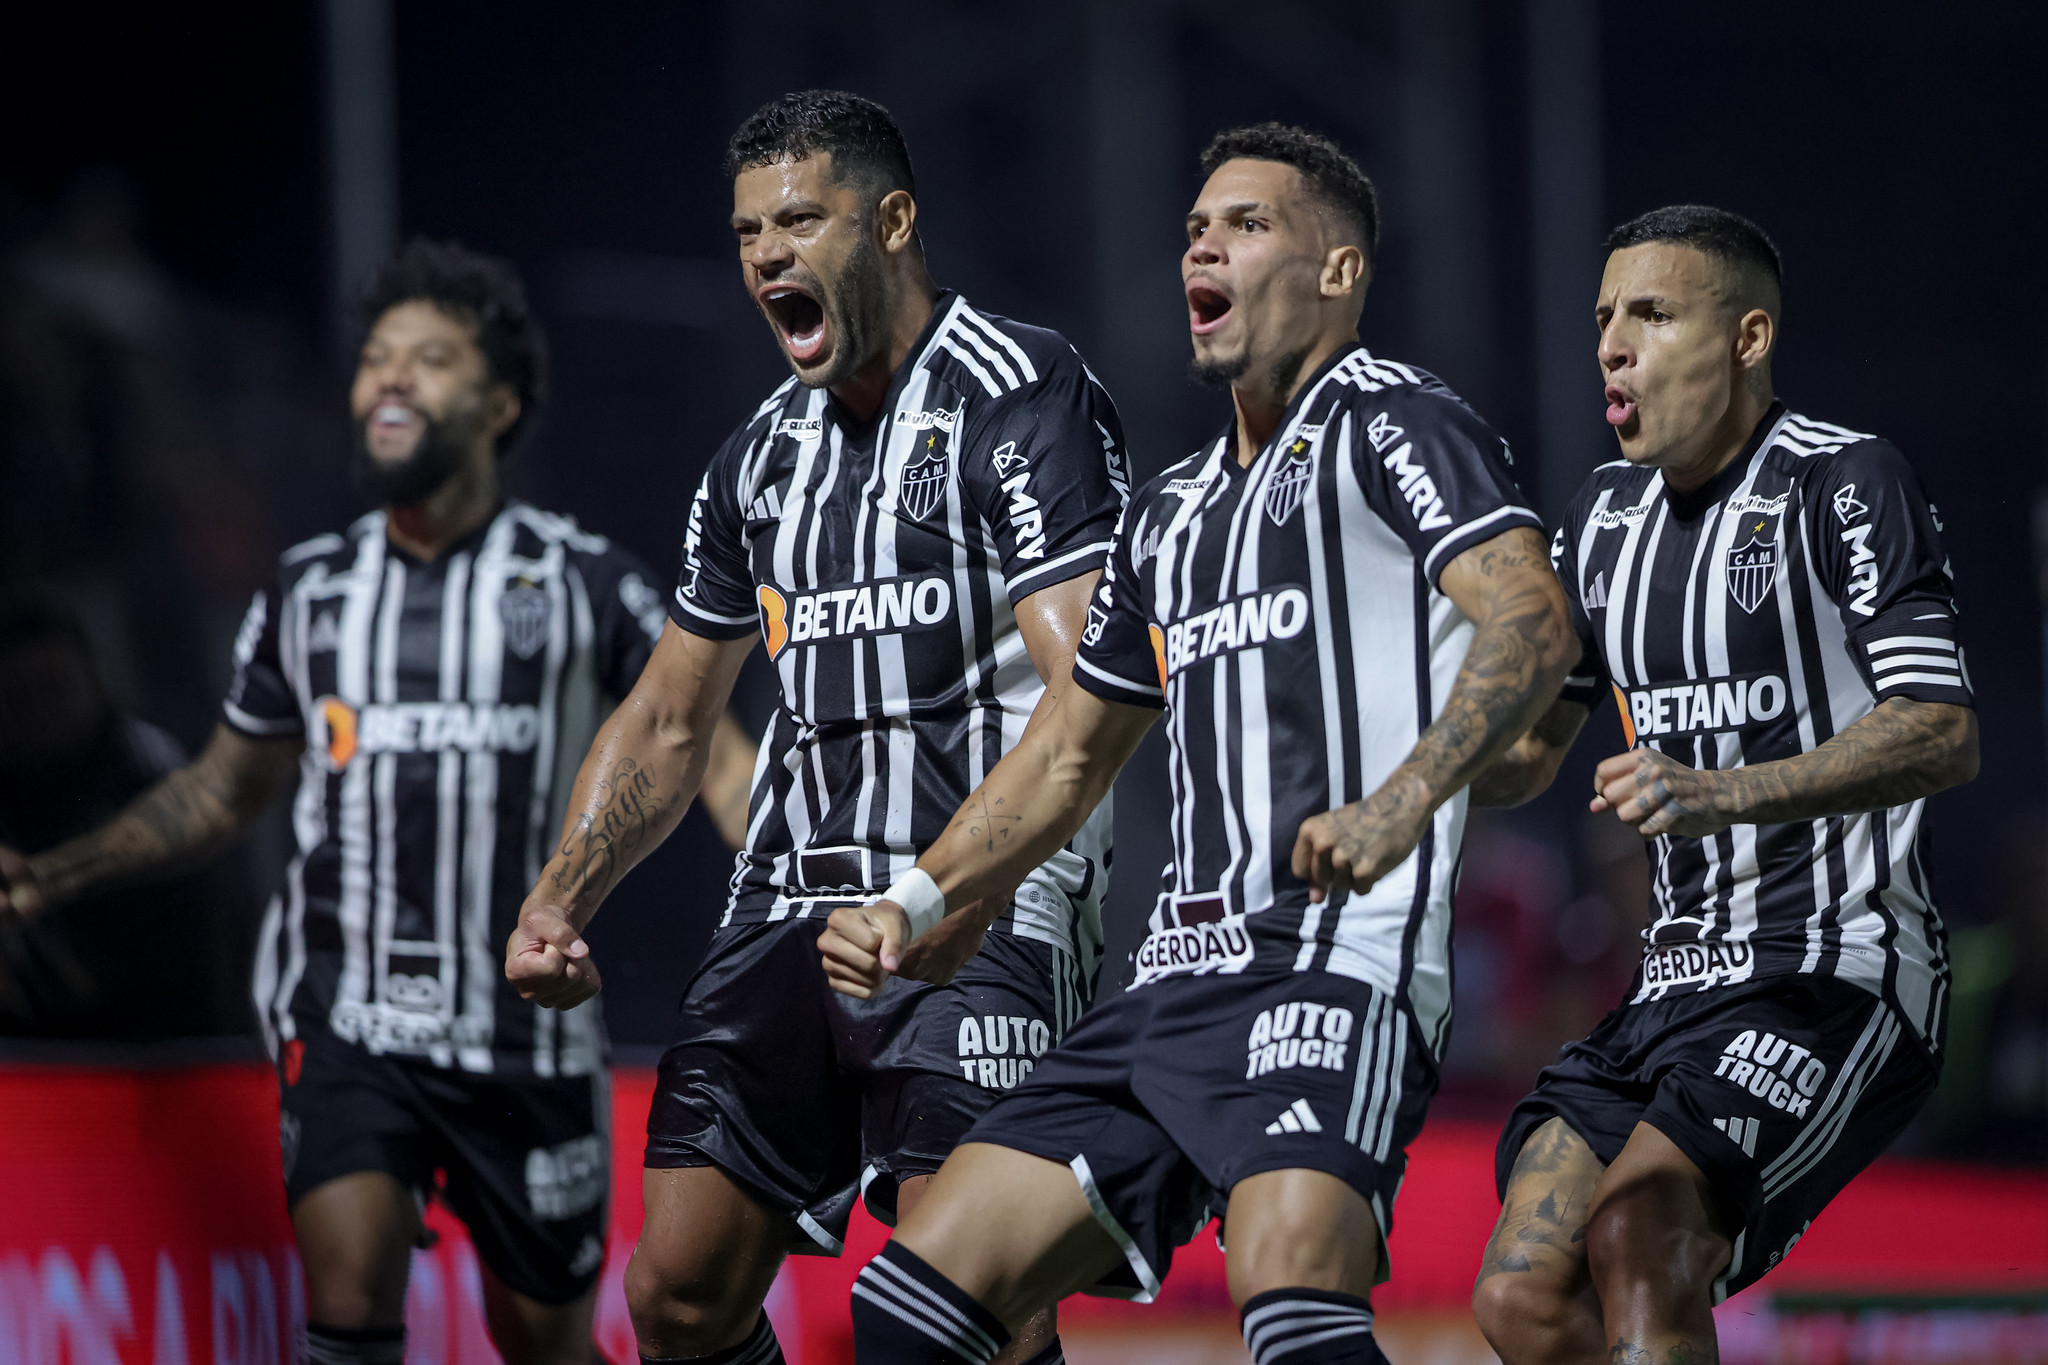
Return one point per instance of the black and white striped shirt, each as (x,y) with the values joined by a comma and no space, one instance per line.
(446,707)
(1288,618)
(1753,619)
(881,565)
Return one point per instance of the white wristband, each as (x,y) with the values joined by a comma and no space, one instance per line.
(922,901)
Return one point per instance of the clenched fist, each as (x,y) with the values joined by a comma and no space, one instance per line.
(548,961)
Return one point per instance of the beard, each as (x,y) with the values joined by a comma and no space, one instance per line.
(1221,373)
(856,313)
(409,482)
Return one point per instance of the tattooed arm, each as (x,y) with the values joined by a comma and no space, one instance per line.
(1513,668)
(184,821)
(1900,752)
(1530,764)
(641,774)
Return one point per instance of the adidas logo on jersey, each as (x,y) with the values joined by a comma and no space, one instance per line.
(1295,1118)
(1298,1033)
(1713,704)
(1277,614)
(1776,1070)
(342,731)
(883,608)
(993,1048)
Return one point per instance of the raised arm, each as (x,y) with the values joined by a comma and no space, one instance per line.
(641,774)
(184,821)
(1521,646)
(1903,750)
(1034,801)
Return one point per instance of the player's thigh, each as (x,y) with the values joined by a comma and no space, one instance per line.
(527,1331)
(706,1241)
(355,1235)
(1533,1280)
(1012,1230)
(1299,1229)
(1655,1212)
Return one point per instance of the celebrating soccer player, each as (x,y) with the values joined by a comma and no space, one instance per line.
(424,672)
(914,523)
(1345,612)
(1768,598)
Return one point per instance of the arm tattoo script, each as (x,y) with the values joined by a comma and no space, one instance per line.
(603,846)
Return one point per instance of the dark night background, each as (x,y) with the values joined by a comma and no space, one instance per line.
(172,383)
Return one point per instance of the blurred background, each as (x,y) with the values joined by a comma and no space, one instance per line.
(188,193)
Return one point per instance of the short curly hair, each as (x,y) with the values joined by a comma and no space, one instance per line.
(483,292)
(1331,175)
(867,147)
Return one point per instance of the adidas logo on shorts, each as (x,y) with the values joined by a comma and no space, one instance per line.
(1295,1118)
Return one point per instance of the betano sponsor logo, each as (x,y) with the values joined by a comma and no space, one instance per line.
(342,731)
(1255,619)
(882,608)
(1704,707)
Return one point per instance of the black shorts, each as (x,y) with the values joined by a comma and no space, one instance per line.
(527,1159)
(1780,1090)
(808,1098)
(1162,1099)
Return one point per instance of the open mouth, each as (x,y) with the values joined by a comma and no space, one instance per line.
(1621,407)
(1207,307)
(799,319)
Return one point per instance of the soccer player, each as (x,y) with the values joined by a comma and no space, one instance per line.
(1768,598)
(1345,613)
(913,522)
(429,673)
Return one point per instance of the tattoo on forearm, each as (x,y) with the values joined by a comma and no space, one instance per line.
(1900,752)
(988,822)
(184,817)
(603,846)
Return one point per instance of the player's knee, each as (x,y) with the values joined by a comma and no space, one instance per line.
(1636,1243)
(1523,1316)
(688,1314)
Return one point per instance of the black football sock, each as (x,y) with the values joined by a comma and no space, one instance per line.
(354,1345)
(906,1313)
(760,1348)
(1310,1327)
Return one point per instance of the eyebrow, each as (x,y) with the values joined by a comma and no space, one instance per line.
(1231,210)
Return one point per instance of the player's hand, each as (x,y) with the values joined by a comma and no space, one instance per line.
(20,895)
(862,946)
(548,961)
(1352,847)
(945,948)
(1656,794)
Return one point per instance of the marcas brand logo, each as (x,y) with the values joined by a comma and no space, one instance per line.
(802,428)
(1705,707)
(341,731)
(997,1051)
(882,608)
(1298,1033)
(1275,614)
(1776,1070)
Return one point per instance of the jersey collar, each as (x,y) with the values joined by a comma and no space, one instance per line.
(942,311)
(1686,506)
(1302,394)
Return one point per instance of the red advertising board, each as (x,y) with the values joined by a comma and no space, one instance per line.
(141,1223)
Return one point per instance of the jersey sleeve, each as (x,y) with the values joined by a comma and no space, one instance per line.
(1121,657)
(627,613)
(1437,474)
(260,701)
(1046,471)
(714,597)
(1587,683)
(1877,548)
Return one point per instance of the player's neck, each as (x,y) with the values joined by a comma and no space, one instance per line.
(1262,393)
(468,500)
(861,393)
(1730,436)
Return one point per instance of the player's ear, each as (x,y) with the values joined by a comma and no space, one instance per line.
(897,216)
(1344,272)
(501,410)
(1756,333)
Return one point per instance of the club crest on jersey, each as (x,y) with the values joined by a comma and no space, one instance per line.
(924,482)
(524,610)
(1753,564)
(1290,480)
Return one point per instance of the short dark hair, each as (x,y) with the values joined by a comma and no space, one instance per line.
(1331,175)
(1727,237)
(481,291)
(866,145)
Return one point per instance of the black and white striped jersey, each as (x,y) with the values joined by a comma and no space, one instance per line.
(881,565)
(445,708)
(1287,617)
(1753,619)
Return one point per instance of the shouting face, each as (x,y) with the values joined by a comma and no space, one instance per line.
(422,398)
(812,261)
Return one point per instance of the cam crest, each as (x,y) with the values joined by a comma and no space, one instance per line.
(524,610)
(924,479)
(1753,563)
(1290,481)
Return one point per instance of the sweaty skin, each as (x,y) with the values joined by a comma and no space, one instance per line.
(1622,1258)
